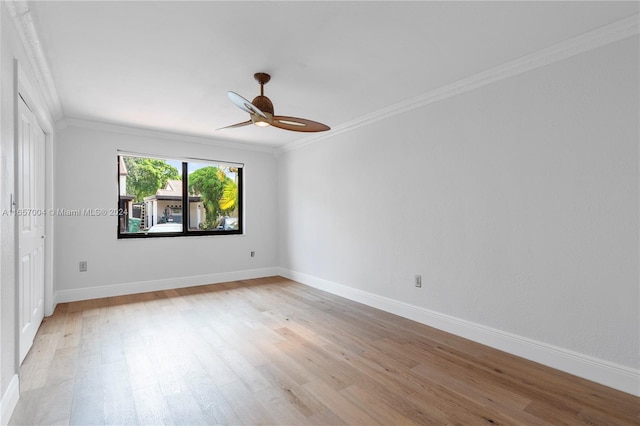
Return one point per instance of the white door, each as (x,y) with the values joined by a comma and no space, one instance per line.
(30,216)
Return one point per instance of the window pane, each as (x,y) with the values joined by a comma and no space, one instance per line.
(150,197)
(163,196)
(213,197)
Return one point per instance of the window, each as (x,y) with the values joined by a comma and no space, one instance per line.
(161,197)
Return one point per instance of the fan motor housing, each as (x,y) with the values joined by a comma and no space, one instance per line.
(263,103)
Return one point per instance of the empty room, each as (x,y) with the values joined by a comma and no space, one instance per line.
(319,212)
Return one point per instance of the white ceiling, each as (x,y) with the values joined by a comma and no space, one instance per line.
(168,65)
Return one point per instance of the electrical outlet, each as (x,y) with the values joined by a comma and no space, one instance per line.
(83,266)
(418,281)
(253,254)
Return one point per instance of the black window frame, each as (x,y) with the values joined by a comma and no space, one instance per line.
(122,213)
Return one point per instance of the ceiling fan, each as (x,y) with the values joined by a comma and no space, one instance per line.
(261,112)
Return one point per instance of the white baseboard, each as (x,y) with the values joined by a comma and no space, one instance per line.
(616,376)
(9,400)
(98,292)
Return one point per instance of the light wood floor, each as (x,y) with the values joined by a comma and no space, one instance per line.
(271,351)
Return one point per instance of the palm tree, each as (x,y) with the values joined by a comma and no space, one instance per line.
(229,199)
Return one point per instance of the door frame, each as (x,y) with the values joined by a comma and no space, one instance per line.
(25,88)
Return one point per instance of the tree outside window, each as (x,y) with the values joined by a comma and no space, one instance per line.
(156,198)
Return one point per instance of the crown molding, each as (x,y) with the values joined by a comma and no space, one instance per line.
(21,16)
(602,36)
(158,134)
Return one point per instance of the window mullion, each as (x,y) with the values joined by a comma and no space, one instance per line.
(185,198)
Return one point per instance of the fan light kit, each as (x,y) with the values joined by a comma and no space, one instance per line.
(261,112)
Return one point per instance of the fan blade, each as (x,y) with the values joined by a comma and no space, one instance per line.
(244,104)
(244,123)
(298,124)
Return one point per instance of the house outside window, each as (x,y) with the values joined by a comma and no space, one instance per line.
(160,197)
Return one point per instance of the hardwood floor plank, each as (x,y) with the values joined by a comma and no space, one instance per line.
(151,406)
(184,409)
(54,404)
(35,368)
(245,404)
(279,378)
(308,349)
(88,399)
(400,381)
(443,370)
(219,372)
(278,403)
(54,323)
(308,359)
(326,417)
(298,373)
(62,366)
(393,351)
(204,391)
(501,402)
(552,414)
(221,414)
(382,412)
(272,351)
(71,331)
(119,405)
(338,404)
(243,369)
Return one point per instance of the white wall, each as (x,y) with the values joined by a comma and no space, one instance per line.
(7,223)
(517,202)
(15,66)
(86,178)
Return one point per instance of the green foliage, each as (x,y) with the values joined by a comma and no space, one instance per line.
(229,199)
(205,182)
(147,175)
(219,193)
